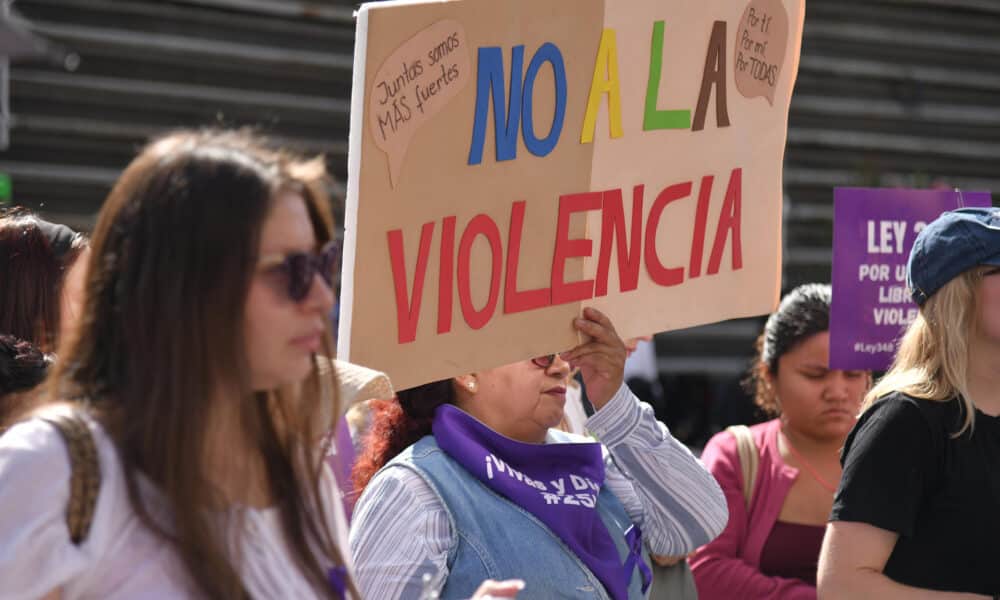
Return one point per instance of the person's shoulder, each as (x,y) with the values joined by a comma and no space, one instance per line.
(419,452)
(901,400)
(36,490)
(900,407)
(33,441)
(37,435)
(46,416)
(397,489)
(37,445)
(900,420)
(721,453)
(760,431)
(408,468)
(35,474)
(725,440)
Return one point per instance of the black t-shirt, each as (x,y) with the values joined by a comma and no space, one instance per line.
(904,472)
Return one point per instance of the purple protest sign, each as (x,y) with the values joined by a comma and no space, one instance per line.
(873,231)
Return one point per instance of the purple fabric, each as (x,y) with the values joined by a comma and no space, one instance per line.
(341,460)
(337,576)
(557,483)
(873,231)
(633,537)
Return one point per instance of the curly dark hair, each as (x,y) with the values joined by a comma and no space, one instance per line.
(34,258)
(398,423)
(803,312)
(22,367)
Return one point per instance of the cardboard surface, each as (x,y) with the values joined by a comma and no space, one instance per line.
(508,236)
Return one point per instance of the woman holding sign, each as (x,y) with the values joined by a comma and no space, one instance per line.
(917,514)
(467,479)
(779,477)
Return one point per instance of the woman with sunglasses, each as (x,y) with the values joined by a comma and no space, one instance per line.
(466,479)
(196,373)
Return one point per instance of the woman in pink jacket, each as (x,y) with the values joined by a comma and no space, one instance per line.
(771,544)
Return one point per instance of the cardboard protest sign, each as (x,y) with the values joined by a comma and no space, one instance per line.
(513,161)
(873,231)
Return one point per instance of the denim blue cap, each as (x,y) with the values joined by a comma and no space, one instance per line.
(953,243)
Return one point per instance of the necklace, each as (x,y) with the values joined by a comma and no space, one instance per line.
(808,467)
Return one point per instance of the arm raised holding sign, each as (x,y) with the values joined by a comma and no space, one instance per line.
(655,467)
(473,482)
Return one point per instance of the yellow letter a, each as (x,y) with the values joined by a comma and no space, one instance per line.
(607,55)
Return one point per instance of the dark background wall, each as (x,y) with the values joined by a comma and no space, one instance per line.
(890,93)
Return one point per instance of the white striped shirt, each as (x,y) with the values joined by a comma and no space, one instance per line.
(400,529)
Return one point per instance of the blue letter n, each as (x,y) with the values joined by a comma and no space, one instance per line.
(490,82)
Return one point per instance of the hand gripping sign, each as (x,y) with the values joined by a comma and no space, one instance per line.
(513,161)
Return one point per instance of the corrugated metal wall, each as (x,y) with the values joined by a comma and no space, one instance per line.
(889,93)
(149,66)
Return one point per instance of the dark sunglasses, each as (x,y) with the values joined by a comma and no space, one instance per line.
(544,362)
(299,268)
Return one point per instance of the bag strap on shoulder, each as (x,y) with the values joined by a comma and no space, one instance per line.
(749,458)
(85,472)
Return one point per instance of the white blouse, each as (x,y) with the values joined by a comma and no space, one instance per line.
(120,558)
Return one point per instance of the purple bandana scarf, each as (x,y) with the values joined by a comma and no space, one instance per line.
(337,577)
(557,483)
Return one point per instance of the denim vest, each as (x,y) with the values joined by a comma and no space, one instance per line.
(492,538)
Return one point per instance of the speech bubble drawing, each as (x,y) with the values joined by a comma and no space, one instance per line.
(413,84)
(761,43)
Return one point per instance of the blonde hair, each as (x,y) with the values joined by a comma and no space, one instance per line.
(932,361)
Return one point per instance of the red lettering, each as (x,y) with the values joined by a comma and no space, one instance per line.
(657,272)
(698,241)
(729,222)
(629,252)
(515,301)
(479,225)
(408,309)
(626,240)
(446,274)
(563,292)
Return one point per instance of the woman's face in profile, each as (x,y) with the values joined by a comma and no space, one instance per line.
(283,334)
(521,400)
(817,401)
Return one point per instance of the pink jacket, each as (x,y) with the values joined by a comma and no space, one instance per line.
(728,566)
